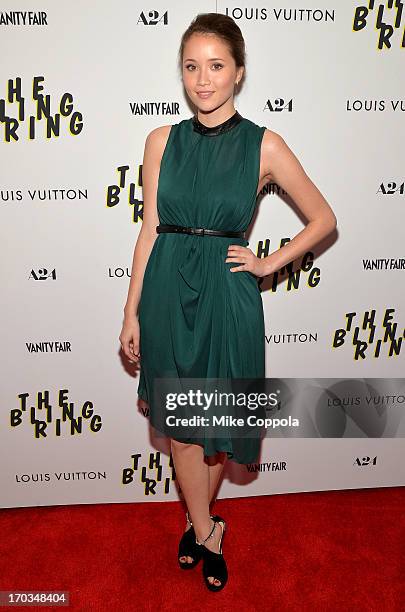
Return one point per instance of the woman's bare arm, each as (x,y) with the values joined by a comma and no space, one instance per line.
(282,167)
(154,146)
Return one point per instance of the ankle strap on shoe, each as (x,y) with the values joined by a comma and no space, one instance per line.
(210,535)
(189,520)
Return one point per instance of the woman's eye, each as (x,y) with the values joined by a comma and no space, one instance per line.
(192,66)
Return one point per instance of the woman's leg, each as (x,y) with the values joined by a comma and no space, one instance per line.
(192,472)
(215,467)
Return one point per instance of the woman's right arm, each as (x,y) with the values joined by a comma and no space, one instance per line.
(154,147)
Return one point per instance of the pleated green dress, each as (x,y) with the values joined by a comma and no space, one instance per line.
(197,319)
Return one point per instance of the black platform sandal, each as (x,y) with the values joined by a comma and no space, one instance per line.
(214,563)
(188,547)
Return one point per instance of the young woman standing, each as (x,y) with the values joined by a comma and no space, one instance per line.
(194,308)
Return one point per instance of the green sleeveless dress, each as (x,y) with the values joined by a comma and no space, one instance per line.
(197,319)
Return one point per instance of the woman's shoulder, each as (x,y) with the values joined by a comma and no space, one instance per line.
(158,137)
(159,132)
(270,138)
(155,142)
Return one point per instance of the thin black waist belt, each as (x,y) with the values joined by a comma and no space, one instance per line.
(200,231)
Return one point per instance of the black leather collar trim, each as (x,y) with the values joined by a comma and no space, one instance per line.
(216,129)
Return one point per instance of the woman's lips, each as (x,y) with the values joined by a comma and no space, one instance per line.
(204,94)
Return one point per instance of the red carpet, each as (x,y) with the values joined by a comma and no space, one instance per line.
(321,551)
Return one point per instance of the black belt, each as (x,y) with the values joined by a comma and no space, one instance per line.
(200,231)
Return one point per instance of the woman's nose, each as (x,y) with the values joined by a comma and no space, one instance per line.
(203,78)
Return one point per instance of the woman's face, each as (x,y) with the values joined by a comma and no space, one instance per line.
(208,66)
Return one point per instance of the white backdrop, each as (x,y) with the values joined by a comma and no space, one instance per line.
(68,235)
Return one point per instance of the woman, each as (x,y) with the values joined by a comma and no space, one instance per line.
(194,308)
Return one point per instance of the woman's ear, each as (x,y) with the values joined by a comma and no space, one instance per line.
(239,75)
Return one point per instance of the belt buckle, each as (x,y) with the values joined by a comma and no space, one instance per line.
(199,231)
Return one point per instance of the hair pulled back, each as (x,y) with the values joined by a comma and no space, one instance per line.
(222,26)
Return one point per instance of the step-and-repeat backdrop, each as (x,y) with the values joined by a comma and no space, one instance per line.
(82,85)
